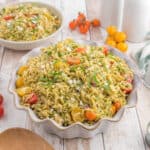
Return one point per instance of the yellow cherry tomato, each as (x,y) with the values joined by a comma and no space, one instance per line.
(109,38)
(23,91)
(122,46)
(120,36)
(21,70)
(111,43)
(111,30)
(19,82)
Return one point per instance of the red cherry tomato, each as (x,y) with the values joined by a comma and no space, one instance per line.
(73,24)
(1,99)
(83,29)
(33,99)
(8,17)
(1,111)
(105,50)
(127,91)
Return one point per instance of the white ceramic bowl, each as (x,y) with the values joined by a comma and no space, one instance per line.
(27,45)
(76,129)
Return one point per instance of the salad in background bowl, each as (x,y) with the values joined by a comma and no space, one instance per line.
(26,25)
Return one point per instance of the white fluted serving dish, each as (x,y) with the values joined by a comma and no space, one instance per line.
(76,129)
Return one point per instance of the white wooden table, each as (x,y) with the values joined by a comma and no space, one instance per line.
(128,134)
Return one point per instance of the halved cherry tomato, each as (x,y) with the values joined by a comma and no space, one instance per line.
(73,24)
(117,104)
(95,23)
(105,50)
(80,50)
(127,91)
(73,60)
(8,17)
(83,29)
(1,111)
(33,99)
(1,99)
(90,115)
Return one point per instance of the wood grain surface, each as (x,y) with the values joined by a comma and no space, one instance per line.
(128,134)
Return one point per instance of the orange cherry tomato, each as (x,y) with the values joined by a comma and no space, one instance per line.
(73,25)
(83,29)
(117,104)
(96,23)
(90,115)
(73,60)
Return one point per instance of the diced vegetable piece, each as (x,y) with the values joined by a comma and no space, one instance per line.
(21,70)
(80,50)
(73,60)
(33,99)
(117,104)
(60,65)
(8,17)
(105,51)
(90,115)
(19,82)
(23,91)
(127,90)
(77,114)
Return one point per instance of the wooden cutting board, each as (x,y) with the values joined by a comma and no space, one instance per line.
(22,139)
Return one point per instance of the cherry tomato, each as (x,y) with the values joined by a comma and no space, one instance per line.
(90,115)
(117,104)
(105,50)
(95,23)
(83,29)
(81,50)
(127,91)
(120,36)
(73,60)
(8,17)
(87,23)
(33,99)
(1,99)
(73,25)
(81,18)
(1,111)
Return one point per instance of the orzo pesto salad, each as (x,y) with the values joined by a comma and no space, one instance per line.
(27,22)
(69,82)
